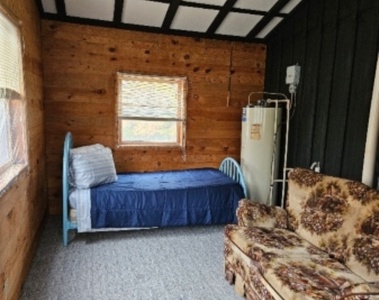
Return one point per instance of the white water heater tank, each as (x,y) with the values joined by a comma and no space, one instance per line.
(260,141)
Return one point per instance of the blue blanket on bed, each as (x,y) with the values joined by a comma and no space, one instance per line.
(169,198)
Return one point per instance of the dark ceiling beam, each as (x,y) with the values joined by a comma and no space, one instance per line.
(200,5)
(221,16)
(40,7)
(213,6)
(107,24)
(190,4)
(61,7)
(172,9)
(274,12)
(117,13)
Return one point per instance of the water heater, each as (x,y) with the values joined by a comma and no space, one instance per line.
(260,142)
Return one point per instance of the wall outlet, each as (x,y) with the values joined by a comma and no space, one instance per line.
(293,75)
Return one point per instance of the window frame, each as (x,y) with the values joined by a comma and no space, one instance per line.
(181,122)
(15,109)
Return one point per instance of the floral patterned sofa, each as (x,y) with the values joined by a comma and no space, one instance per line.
(324,245)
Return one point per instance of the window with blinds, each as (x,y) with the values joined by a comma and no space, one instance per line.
(13,156)
(151,110)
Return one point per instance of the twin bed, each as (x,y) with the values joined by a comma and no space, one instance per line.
(202,196)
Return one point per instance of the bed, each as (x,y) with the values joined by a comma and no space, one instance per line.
(202,196)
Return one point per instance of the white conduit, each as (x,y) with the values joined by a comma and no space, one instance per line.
(284,179)
(372,135)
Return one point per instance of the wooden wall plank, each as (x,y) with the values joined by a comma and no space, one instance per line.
(348,8)
(324,75)
(80,64)
(23,205)
(275,64)
(365,4)
(339,101)
(315,11)
(286,60)
(362,76)
(330,14)
(329,124)
(307,108)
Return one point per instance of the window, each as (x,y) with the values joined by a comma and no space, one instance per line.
(13,158)
(151,110)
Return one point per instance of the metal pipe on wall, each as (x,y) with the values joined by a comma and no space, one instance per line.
(283,180)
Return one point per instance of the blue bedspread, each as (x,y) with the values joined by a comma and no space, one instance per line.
(169,198)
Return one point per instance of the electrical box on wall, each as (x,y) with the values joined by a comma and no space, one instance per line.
(293,75)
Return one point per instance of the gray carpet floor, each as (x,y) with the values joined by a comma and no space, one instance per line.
(159,264)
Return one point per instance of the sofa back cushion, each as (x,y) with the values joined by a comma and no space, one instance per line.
(338,215)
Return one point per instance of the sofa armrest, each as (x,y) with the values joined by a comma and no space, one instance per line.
(251,214)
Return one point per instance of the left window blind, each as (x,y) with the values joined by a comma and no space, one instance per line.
(13,150)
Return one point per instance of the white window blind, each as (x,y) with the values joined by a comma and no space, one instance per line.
(10,58)
(151,97)
(151,110)
(13,149)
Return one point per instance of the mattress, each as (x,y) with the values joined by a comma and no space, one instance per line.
(170,198)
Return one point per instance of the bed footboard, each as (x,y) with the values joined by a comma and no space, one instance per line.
(230,167)
(67,224)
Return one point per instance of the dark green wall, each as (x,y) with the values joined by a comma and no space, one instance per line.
(336,44)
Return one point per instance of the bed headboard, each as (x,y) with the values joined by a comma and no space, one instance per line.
(230,167)
(66,162)
(67,224)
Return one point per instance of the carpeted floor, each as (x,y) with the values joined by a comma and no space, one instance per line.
(170,264)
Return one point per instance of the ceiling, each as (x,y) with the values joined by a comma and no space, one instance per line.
(238,20)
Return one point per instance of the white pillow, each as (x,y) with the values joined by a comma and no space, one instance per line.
(91,166)
(86,149)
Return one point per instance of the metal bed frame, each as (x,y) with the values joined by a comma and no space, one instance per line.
(229,166)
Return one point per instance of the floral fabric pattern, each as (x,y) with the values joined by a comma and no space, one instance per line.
(370,226)
(295,270)
(333,214)
(324,211)
(251,214)
(323,245)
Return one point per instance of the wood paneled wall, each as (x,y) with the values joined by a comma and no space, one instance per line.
(336,44)
(80,65)
(23,205)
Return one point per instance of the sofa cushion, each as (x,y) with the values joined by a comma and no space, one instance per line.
(279,242)
(305,277)
(281,260)
(251,213)
(363,258)
(332,213)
